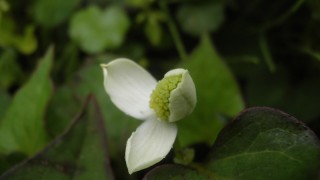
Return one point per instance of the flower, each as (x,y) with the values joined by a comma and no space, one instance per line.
(135,92)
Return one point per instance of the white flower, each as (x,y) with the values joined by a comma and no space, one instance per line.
(134,91)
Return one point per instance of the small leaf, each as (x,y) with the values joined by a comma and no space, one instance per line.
(197,19)
(264,142)
(78,153)
(217,93)
(95,30)
(27,43)
(11,36)
(22,126)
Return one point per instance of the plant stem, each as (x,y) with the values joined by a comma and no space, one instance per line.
(174,32)
(266,52)
(286,15)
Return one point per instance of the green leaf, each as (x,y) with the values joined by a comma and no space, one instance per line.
(264,143)
(217,93)
(200,18)
(261,143)
(96,30)
(53,13)
(78,153)
(22,127)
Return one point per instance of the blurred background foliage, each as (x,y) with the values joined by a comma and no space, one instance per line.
(239,53)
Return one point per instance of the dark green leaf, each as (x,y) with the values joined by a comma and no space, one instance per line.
(217,93)
(96,30)
(264,143)
(22,128)
(78,153)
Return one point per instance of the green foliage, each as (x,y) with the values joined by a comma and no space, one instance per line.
(261,143)
(239,55)
(22,125)
(96,30)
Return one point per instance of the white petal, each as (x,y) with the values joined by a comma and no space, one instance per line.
(149,144)
(129,87)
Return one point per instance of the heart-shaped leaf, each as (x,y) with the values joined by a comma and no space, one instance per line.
(95,29)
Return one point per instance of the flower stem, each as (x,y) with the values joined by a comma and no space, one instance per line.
(266,52)
(174,32)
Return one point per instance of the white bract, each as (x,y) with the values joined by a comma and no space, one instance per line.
(135,92)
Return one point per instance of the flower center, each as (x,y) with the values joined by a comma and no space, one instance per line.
(159,99)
